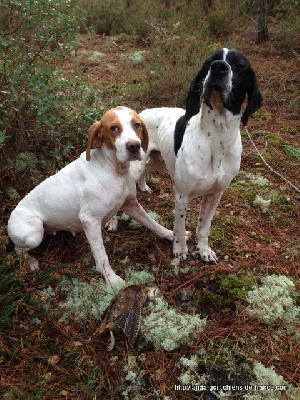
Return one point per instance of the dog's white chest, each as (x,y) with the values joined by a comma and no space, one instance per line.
(209,157)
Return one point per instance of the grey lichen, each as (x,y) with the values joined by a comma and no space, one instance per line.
(273,301)
(262,203)
(267,376)
(86,299)
(190,375)
(90,299)
(168,329)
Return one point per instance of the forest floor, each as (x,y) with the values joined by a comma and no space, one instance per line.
(52,360)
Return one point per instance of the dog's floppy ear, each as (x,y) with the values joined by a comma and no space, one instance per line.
(195,92)
(145,137)
(94,138)
(255,98)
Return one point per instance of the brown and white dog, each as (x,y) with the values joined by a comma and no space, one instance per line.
(85,194)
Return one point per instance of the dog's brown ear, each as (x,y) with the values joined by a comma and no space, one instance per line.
(145,137)
(94,138)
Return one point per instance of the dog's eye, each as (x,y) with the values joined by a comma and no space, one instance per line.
(114,128)
(137,126)
(239,65)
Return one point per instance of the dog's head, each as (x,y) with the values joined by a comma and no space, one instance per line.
(120,129)
(228,76)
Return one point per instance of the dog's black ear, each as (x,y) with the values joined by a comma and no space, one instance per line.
(195,92)
(179,132)
(255,98)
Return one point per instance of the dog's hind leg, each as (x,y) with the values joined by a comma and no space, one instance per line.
(26,231)
(208,209)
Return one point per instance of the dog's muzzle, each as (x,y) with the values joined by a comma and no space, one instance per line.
(219,75)
(218,80)
(133,148)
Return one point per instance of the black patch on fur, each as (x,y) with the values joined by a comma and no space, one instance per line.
(179,132)
(244,84)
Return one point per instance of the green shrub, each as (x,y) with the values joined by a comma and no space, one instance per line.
(176,56)
(44,115)
(35,37)
(220,21)
(287,33)
(129,17)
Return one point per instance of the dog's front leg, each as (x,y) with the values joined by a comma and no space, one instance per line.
(139,170)
(180,249)
(133,208)
(92,229)
(208,209)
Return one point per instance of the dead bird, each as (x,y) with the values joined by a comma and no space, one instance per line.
(124,312)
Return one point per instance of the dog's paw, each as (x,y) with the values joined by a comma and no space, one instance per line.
(112,224)
(180,251)
(144,187)
(113,278)
(208,255)
(188,235)
(180,256)
(32,264)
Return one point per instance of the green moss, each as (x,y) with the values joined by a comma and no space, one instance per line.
(134,224)
(259,115)
(218,234)
(221,293)
(237,286)
(219,362)
(273,139)
(290,130)
(246,186)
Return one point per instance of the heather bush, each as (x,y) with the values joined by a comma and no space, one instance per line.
(43,113)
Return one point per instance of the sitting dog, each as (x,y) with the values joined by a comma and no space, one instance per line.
(85,194)
(201,146)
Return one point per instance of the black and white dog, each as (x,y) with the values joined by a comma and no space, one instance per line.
(201,146)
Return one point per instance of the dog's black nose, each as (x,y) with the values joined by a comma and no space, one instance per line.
(219,67)
(133,146)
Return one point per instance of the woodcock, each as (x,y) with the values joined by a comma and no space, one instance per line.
(124,312)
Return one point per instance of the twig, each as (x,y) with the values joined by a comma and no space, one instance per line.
(268,165)
(294,52)
(119,47)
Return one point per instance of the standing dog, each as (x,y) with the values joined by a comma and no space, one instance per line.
(85,194)
(201,146)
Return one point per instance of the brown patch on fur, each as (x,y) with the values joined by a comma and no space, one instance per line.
(216,102)
(101,131)
(109,128)
(141,133)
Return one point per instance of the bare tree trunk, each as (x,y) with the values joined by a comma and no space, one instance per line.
(262,34)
